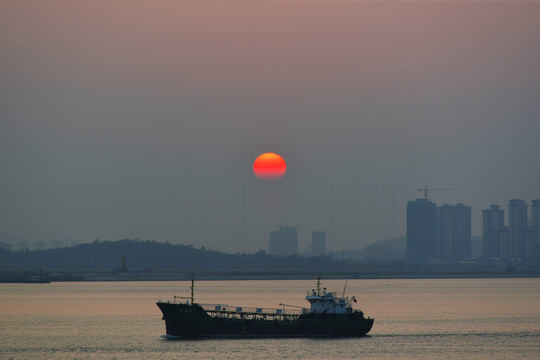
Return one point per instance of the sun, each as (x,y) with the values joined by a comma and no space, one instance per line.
(269,167)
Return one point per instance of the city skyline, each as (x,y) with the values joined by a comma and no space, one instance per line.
(497,221)
(518,237)
(444,232)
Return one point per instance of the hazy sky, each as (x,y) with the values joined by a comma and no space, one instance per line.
(141,119)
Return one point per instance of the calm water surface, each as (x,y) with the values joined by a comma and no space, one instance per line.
(429,319)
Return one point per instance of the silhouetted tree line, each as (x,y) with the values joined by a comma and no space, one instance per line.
(151,255)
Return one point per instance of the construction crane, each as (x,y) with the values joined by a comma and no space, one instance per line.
(425,189)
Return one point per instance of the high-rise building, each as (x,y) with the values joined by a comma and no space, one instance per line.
(492,225)
(453,235)
(318,243)
(529,245)
(501,237)
(517,224)
(284,242)
(421,229)
(476,247)
(518,240)
(535,221)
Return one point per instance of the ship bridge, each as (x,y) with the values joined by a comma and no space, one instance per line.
(323,302)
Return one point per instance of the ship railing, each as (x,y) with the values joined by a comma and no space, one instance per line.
(225,308)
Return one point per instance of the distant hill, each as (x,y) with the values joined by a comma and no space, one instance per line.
(151,255)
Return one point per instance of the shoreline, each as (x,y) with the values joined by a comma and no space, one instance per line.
(103,276)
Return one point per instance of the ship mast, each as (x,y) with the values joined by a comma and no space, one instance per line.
(192,287)
(319,285)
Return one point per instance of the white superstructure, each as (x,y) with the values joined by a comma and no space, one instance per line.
(323,302)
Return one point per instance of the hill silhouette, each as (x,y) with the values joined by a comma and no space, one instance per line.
(151,255)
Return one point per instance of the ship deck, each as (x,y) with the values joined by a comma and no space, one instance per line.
(227,311)
(252,313)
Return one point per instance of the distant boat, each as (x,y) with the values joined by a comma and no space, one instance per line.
(328,316)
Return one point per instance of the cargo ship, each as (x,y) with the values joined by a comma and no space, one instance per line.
(328,316)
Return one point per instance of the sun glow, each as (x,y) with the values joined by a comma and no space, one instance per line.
(269,167)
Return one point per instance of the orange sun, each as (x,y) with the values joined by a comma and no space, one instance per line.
(269,167)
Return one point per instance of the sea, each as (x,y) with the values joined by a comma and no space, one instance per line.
(414,319)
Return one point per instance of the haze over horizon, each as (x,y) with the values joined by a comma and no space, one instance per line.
(133,119)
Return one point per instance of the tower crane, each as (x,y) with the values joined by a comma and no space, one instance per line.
(427,189)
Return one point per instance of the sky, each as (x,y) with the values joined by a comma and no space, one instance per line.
(142,119)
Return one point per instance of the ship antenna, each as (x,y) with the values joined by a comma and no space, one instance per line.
(192,287)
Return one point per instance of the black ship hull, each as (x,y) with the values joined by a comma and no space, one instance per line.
(192,321)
